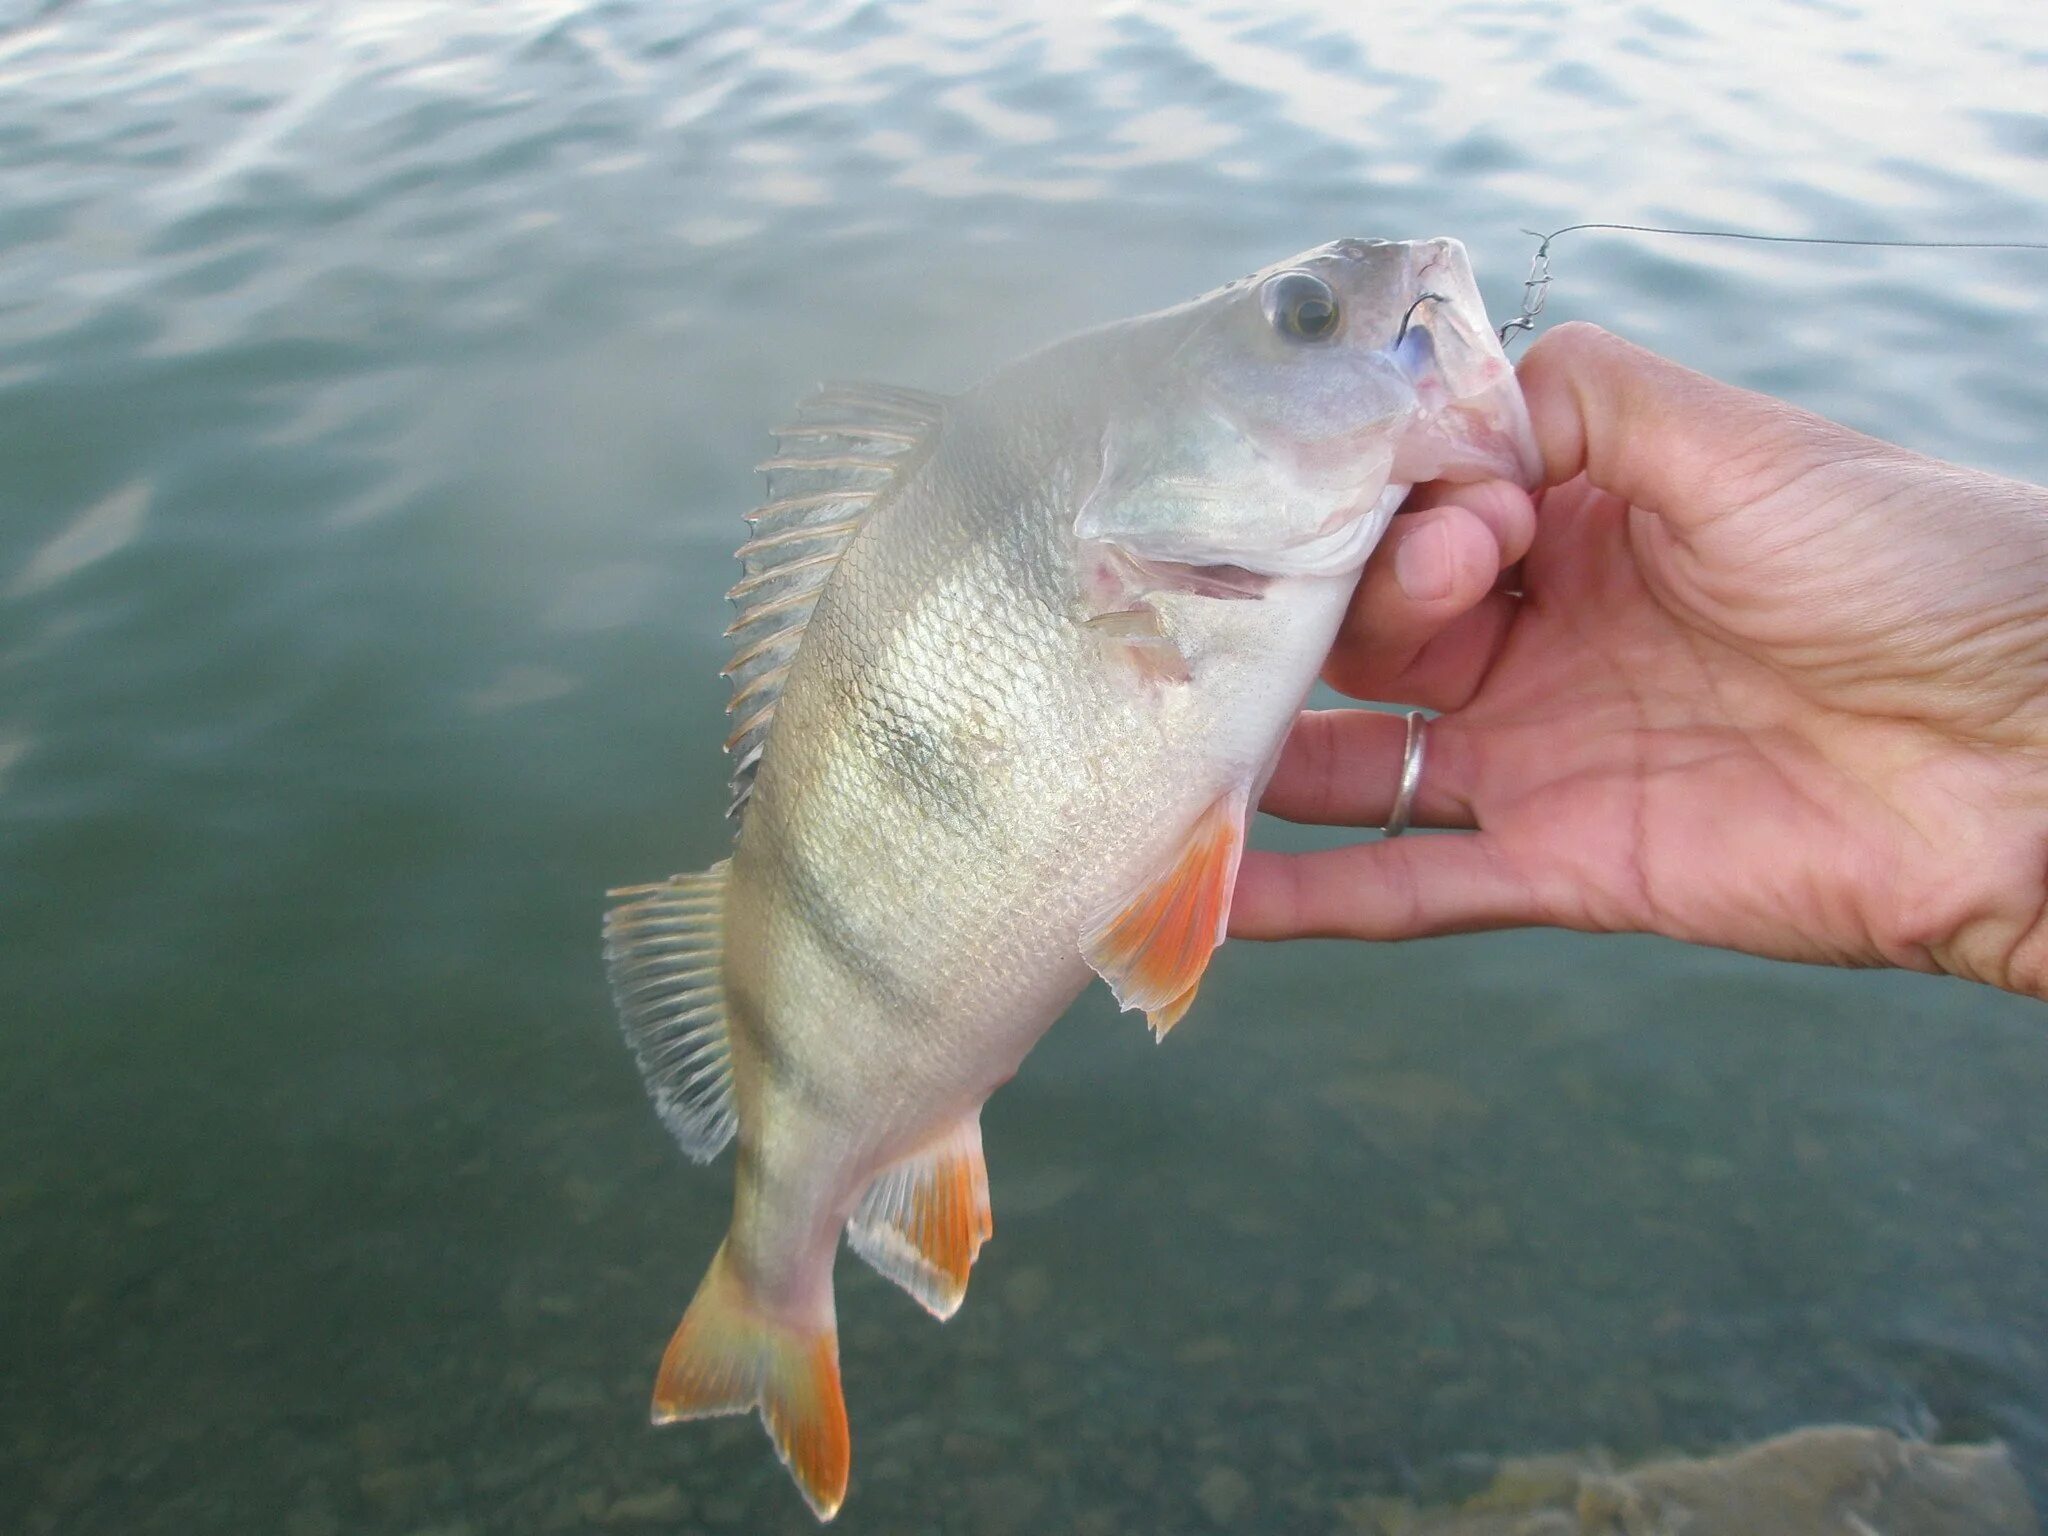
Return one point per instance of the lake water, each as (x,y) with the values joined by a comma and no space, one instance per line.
(379,386)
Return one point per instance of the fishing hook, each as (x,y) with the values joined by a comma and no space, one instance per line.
(1402,334)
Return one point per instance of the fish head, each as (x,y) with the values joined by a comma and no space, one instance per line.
(1275,423)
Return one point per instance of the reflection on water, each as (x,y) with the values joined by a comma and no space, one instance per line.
(378,386)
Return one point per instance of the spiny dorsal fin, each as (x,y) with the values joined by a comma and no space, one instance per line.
(848,444)
(922,1222)
(664,947)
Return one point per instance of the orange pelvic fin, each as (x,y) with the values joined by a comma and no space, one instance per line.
(922,1221)
(1152,949)
(727,1356)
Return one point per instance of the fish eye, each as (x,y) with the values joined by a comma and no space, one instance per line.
(1300,304)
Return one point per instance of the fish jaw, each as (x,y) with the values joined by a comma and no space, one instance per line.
(1486,436)
(1344,546)
(1472,422)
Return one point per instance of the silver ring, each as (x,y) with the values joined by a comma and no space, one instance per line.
(1411,775)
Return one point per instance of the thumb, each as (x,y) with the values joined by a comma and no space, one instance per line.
(1890,582)
(1674,442)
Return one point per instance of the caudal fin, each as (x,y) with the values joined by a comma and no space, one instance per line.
(728,1356)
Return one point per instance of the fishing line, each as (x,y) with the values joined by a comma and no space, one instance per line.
(1536,286)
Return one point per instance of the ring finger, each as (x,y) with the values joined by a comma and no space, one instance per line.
(1342,767)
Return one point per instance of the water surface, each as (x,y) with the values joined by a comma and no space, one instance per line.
(378,388)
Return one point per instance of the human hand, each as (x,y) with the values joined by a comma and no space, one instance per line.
(1768,684)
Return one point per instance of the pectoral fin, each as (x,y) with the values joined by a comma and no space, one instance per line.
(1135,635)
(1152,948)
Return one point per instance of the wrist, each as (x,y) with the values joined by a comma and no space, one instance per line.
(1983,909)
(2014,953)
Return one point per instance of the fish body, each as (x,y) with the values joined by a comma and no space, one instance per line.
(1011,670)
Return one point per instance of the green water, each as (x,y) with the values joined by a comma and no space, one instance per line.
(378,389)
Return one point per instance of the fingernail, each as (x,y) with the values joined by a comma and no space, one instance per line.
(1422,564)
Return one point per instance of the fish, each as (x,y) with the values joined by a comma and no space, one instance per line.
(1010,669)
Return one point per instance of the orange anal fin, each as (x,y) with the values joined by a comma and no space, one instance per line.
(923,1220)
(1153,948)
(729,1357)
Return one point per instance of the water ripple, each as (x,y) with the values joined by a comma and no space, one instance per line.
(378,387)
(105,528)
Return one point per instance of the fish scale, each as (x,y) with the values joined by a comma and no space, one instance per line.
(1009,671)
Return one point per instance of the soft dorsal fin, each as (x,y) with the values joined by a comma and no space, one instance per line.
(923,1220)
(1154,946)
(848,445)
(664,948)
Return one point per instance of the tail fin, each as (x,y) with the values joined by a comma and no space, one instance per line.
(727,1357)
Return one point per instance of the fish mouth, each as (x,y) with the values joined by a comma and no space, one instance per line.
(1480,433)
(1486,436)
(1474,424)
